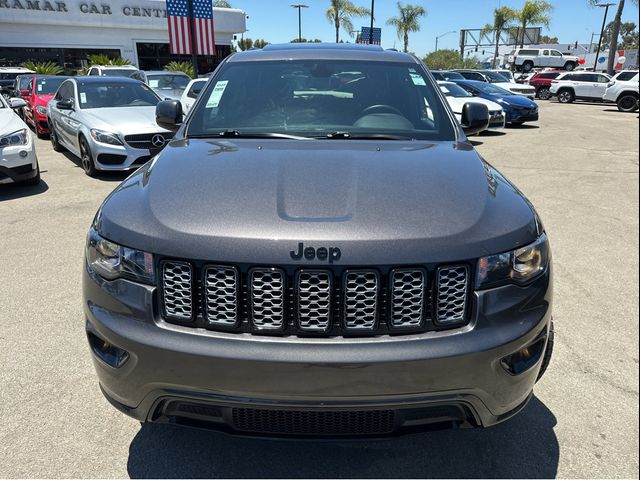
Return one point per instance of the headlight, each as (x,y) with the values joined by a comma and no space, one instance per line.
(41,110)
(502,101)
(105,137)
(519,266)
(21,137)
(111,261)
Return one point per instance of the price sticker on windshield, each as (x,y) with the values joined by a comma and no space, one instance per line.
(417,79)
(216,95)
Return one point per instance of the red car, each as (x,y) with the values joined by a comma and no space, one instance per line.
(541,81)
(40,91)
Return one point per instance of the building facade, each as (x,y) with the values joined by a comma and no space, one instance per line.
(67,31)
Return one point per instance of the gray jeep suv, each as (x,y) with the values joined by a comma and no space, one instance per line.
(318,251)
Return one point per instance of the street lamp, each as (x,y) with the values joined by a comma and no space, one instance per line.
(440,36)
(604,21)
(299,6)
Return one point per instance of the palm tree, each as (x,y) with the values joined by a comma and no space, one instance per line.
(534,12)
(615,32)
(408,21)
(340,13)
(221,4)
(503,18)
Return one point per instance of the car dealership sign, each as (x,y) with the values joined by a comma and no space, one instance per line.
(88,8)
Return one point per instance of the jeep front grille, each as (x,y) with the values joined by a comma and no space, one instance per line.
(177,287)
(221,295)
(333,301)
(267,299)
(408,297)
(451,295)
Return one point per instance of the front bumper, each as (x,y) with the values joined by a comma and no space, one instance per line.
(523,116)
(18,163)
(119,157)
(184,375)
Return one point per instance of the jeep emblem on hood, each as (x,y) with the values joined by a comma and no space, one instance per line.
(332,254)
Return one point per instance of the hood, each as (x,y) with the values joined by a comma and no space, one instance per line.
(457,103)
(515,100)
(9,121)
(510,85)
(124,120)
(249,201)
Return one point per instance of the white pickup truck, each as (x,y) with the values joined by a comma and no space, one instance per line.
(526,59)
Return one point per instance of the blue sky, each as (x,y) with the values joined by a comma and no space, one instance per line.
(276,21)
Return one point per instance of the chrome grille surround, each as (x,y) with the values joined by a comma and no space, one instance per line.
(266,298)
(220,292)
(314,289)
(143,141)
(408,297)
(452,285)
(177,290)
(361,299)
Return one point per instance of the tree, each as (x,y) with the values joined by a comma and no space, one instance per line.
(503,18)
(533,12)
(102,59)
(615,32)
(446,59)
(407,21)
(43,68)
(245,44)
(184,67)
(260,43)
(627,39)
(340,12)
(221,4)
(545,39)
(304,40)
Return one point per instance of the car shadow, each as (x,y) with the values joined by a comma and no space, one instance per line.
(492,133)
(12,191)
(525,446)
(101,176)
(522,126)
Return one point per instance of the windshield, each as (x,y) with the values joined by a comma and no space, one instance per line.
(506,74)
(495,77)
(318,98)
(491,89)
(117,72)
(48,86)
(115,94)
(453,90)
(168,82)
(452,76)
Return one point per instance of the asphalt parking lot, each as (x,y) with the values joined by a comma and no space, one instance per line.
(578,165)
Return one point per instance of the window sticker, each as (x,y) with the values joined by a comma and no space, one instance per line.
(154,83)
(216,95)
(417,79)
(83,97)
(39,87)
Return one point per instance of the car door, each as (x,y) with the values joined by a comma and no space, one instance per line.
(29,116)
(544,60)
(599,85)
(556,59)
(65,124)
(581,84)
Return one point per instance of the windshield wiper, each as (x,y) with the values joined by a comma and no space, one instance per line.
(364,136)
(231,133)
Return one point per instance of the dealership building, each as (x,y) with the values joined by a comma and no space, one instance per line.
(67,31)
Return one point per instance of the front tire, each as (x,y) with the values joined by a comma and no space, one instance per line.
(627,102)
(569,66)
(527,66)
(566,96)
(53,137)
(86,159)
(34,180)
(544,93)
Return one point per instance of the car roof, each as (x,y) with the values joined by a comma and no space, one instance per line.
(164,72)
(115,67)
(322,51)
(96,79)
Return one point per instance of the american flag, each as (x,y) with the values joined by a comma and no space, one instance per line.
(180,33)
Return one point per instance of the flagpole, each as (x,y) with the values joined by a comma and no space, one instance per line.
(192,36)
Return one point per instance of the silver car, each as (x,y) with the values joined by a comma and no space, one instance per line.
(167,84)
(109,123)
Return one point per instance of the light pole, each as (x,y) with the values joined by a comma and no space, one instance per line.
(604,21)
(440,36)
(373,6)
(299,6)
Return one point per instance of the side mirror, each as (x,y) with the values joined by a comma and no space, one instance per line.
(25,93)
(65,104)
(16,103)
(475,118)
(169,114)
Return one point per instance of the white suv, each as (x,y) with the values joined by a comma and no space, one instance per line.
(579,86)
(527,59)
(112,70)
(623,89)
